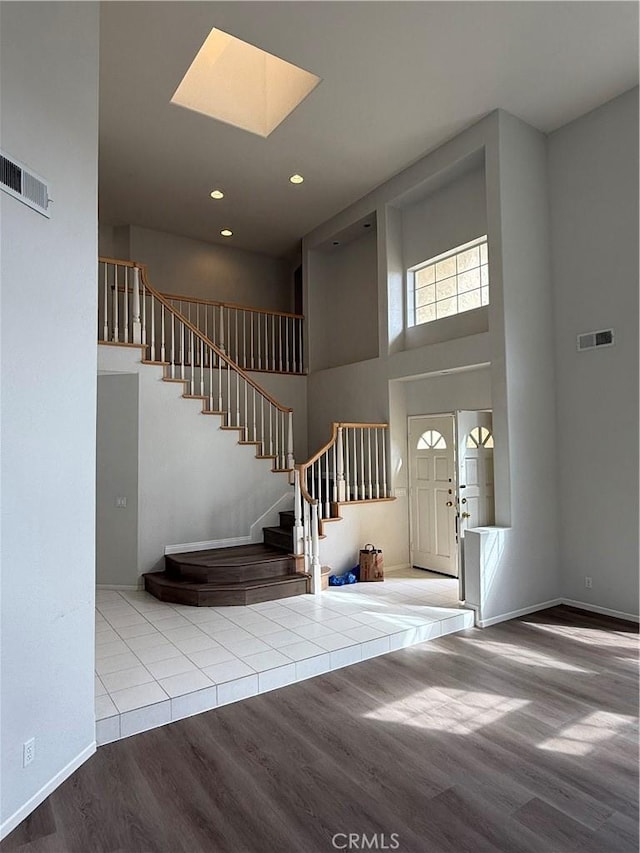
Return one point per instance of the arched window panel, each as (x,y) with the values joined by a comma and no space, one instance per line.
(480,437)
(431,439)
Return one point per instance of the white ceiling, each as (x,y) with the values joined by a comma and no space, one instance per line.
(398,78)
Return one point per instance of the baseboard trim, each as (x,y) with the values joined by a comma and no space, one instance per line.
(204,546)
(513,614)
(400,567)
(604,611)
(24,811)
(119,587)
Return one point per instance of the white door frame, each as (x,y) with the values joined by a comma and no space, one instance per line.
(410,418)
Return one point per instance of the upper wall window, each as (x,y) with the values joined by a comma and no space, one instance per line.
(449,284)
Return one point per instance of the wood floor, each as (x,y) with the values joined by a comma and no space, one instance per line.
(520,737)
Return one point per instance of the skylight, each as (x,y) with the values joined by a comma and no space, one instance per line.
(242,85)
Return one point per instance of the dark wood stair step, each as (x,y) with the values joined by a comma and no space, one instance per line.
(241,563)
(179,591)
(279,537)
(287,519)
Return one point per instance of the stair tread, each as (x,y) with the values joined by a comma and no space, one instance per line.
(237,555)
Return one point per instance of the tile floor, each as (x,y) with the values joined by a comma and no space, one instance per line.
(158,662)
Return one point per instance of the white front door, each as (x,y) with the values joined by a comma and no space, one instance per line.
(474,495)
(432,494)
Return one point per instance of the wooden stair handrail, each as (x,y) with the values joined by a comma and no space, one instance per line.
(235,305)
(174,312)
(334,435)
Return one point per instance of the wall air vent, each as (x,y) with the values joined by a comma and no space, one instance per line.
(19,181)
(591,340)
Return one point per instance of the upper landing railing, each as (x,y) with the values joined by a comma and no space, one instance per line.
(130,311)
(255,338)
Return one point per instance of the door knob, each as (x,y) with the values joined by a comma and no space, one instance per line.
(466,515)
(464,500)
(449,503)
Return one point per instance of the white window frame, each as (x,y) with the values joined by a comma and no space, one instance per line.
(411,273)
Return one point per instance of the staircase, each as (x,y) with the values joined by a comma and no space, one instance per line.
(350,468)
(245,574)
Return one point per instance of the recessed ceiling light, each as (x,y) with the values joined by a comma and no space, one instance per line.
(216,194)
(296,179)
(226,233)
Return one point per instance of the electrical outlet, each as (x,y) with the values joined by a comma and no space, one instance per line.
(28,751)
(121,503)
(588,582)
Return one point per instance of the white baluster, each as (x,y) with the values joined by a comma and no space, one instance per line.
(347,497)
(244,339)
(258,324)
(273,340)
(334,489)
(222,328)
(136,327)
(116,331)
(339,467)
(173,343)
(263,437)
(290,459)
(363,493)
(237,398)
(254,417)
(319,478)
(280,341)
(377,457)
(220,380)
(245,421)
(327,504)
(316,570)
(210,379)
(201,367)
(182,350)
(369,466)
(126,305)
(192,366)
(162,334)
(287,363)
(251,337)
(306,526)
(384,465)
(105,326)
(153,329)
(270,430)
(144,315)
(236,340)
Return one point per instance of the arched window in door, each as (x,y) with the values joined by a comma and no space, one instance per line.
(480,437)
(431,439)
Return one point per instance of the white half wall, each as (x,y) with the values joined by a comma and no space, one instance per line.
(49,98)
(593,180)
(195,482)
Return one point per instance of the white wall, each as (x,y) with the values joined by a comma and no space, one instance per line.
(49,97)
(344,324)
(117,477)
(469,389)
(593,180)
(194,268)
(195,482)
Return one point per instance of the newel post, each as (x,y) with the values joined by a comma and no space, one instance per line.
(316,569)
(136,325)
(298,525)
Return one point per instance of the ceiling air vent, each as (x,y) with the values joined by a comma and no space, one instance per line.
(591,340)
(20,182)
